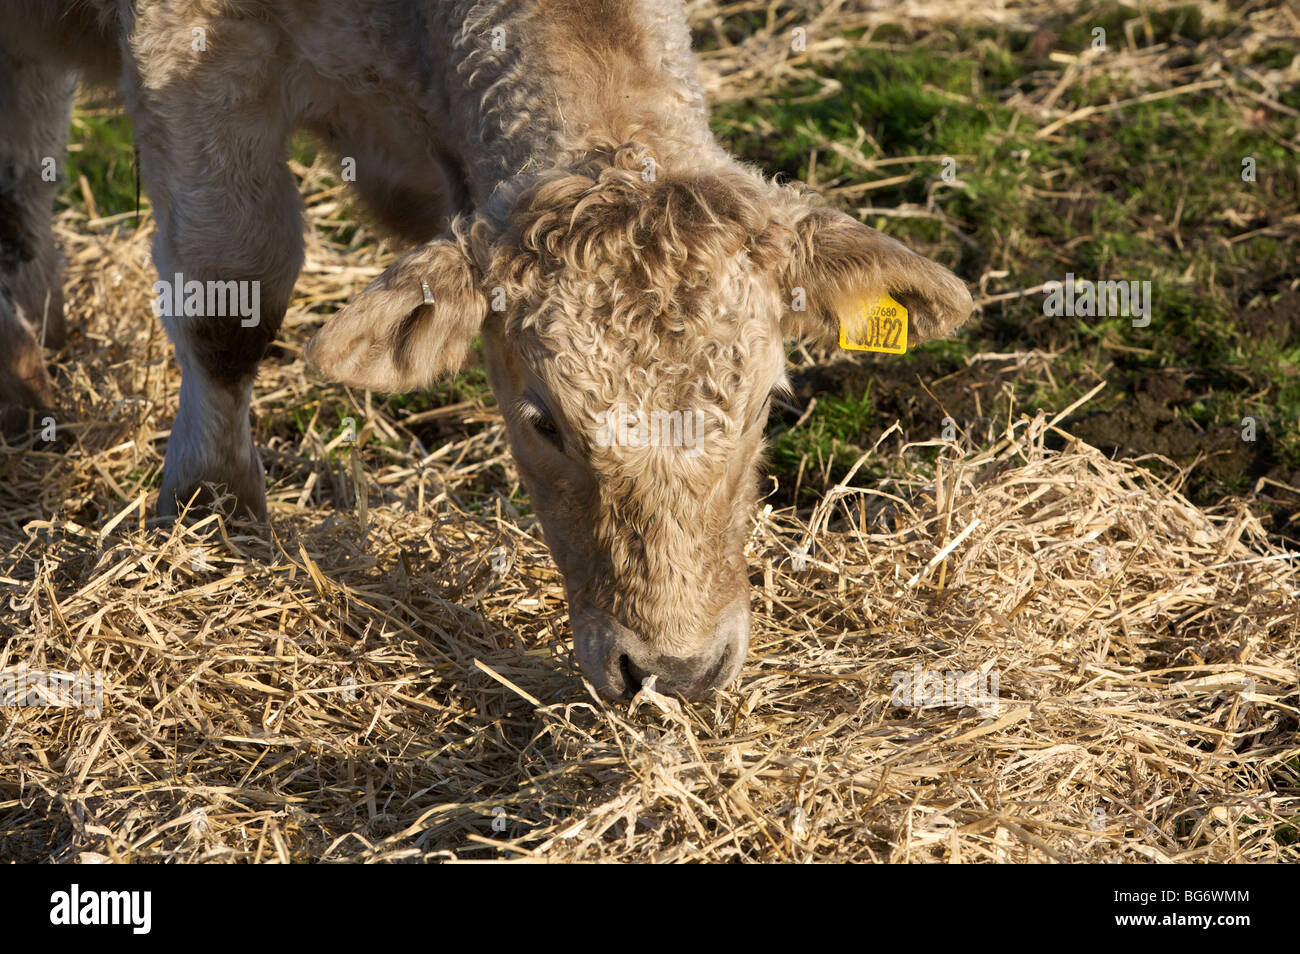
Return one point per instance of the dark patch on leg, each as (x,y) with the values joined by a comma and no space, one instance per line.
(229,352)
(15,244)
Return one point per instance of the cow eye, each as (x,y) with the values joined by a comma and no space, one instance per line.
(546,427)
(537,417)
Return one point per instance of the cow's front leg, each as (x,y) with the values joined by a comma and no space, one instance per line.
(244,275)
(226,262)
(228,249)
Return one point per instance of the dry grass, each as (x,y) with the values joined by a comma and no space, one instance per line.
(377,681)
(336,692)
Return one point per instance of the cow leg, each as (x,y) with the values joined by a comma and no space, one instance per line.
(35,99)
(213,144)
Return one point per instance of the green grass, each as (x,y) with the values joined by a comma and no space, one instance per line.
(822,438)
(101,150)
(1100,201)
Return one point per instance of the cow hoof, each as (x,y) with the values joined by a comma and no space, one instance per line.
(209,498)
(239,495)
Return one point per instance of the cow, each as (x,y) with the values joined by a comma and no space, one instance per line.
(550,165)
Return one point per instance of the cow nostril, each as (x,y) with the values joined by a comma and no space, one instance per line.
(716,669)
(632,676)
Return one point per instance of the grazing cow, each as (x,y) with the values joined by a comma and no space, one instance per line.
(551,164)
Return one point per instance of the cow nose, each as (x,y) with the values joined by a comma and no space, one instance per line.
(691,676)
(618,661)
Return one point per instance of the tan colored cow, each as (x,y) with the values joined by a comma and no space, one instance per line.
(551,163)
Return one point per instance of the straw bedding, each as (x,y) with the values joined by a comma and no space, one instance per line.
(388,675)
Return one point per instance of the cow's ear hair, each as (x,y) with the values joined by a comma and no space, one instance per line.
(838,264)
(416,322)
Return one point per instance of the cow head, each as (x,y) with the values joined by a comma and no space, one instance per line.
(634,329)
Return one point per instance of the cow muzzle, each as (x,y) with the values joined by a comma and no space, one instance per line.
(618,661)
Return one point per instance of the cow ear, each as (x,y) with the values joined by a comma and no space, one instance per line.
(416,322)
(839,265)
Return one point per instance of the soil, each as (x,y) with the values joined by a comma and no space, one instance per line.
(1147,418)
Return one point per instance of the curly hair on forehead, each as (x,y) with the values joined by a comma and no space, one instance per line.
(618,217)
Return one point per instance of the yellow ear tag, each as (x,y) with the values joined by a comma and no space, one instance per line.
(874,326)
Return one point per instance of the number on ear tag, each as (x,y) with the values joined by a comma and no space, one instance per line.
(874,326)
